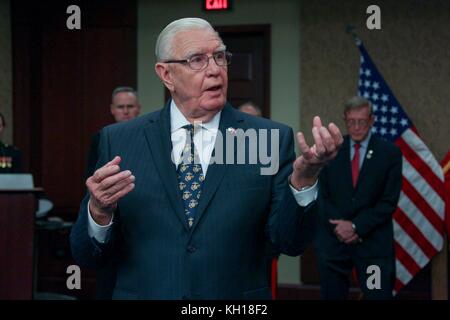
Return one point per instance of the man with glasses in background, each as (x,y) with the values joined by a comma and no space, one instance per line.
(180,225)
(359,191)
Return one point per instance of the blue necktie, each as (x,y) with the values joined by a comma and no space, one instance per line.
(190,176)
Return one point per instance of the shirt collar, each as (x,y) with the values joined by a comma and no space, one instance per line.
(178,120)
(363,143)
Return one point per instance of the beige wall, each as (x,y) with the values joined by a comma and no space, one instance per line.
(6,69)
(411,51)
(283,15)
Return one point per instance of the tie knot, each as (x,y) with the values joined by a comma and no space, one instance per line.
(189,128)
(357,146)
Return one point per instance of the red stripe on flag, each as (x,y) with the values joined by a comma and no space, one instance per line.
(421,167)
(414,232)
(274,277)
(398,285)
(406,259)
(423,206)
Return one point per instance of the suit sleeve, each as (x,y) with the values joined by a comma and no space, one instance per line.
(370,218)
(291,228)
(87,251)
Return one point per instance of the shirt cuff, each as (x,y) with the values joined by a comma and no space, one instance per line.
(100,233)
(305,196)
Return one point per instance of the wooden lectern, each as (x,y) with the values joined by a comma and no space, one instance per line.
(17,215)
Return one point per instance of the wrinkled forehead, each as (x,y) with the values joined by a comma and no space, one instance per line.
(188,42)
(360,111)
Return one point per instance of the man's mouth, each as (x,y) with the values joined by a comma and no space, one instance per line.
(214,88)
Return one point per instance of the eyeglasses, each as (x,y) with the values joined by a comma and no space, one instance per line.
(360,122)
(199,62)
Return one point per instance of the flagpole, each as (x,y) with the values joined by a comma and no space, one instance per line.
(351,31)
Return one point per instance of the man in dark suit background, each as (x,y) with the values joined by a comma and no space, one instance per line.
(359,191)
(124,106)
(10,156)
(181,224)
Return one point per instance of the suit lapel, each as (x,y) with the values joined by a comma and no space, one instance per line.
(216,171)
(159,141)
(367,163)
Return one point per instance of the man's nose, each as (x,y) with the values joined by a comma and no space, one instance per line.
(212,68)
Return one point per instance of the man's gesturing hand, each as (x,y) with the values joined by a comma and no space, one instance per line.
(107,186)
(326,145)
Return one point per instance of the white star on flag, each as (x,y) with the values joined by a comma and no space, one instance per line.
(384,97)
(376,85)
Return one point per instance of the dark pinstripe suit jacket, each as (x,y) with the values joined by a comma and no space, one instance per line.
(222,255)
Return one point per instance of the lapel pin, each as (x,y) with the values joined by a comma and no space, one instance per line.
(231,130)
(369,154)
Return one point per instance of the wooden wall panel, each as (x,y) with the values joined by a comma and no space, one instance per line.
(63,81)
(62,84)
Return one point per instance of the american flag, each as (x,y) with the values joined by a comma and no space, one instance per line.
(419,218)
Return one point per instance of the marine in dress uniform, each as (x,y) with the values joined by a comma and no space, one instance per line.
(10,159)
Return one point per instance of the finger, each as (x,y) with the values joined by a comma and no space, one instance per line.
(352,239)
(303,146)
(320,148)
(317,122)
(327,140)
(114,161)
(122,193)
(114,179)
(336,134)
(334,221)
(119,186)
(104,172)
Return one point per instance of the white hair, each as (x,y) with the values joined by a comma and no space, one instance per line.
(164,48)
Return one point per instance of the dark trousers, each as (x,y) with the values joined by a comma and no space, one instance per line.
(105,282)
(335,276)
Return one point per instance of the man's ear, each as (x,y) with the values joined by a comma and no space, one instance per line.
(163,72)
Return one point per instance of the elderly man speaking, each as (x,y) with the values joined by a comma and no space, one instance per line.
(180,225)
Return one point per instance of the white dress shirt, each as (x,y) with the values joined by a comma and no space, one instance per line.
(204,140)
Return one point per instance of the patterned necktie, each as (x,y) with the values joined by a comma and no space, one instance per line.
(355,164)
(190,176)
